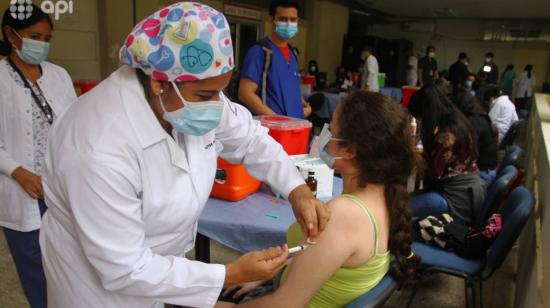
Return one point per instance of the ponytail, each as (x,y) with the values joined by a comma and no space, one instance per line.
(405,264)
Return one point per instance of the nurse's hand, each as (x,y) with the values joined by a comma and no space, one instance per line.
(30,182)
(257,265)
(311,213)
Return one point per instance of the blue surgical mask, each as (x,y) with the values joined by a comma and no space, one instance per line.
(324,138)
(468,84)
(196,119)
(32,51)
(286,30)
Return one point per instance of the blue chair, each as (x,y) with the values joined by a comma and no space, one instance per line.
(496,194)
(511,134)
(515,213)
(377,296)
(511,157)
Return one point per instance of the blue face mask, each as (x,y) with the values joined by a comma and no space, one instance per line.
(286,30)
(324,138)
(196,119)
(468,84)
(32,51)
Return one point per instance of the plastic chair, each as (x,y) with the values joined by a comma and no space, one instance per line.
(511,157)
(496,193)
(377,296)
(510,135)
(515,213)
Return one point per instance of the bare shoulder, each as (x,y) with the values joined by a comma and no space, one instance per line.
(344,211)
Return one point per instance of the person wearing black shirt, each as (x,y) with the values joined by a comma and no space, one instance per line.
(458,72)
(490,68)
(427,68)
(485,133)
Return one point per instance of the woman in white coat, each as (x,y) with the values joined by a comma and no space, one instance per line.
(33,94)
(526,81)
(131,167)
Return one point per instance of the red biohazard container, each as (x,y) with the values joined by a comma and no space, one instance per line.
(82,86)
(291,133)
(309,80)
(233,183)
(407,94)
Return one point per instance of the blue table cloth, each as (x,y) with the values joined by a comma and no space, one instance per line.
(393,92)
(329,106)
(254,223)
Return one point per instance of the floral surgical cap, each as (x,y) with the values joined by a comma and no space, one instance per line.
(183,42)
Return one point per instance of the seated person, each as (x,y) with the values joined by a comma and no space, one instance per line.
(486,134)
(355,251)
(450,151)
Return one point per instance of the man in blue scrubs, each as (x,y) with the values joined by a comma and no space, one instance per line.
(283,94)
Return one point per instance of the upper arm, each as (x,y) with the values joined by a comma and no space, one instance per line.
(102,191)
(247,86)
(311,268)
(71,94)
(253,64)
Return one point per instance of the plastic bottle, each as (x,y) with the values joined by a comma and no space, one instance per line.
(312,183)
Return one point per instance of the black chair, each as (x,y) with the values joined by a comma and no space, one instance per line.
(510,135)
(496,193)
(515,213)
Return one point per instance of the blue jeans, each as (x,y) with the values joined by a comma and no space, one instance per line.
(25,251)
(430,203)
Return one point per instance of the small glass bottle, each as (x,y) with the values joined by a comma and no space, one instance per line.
(312,183)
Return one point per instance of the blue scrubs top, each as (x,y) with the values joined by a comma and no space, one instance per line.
(283,80)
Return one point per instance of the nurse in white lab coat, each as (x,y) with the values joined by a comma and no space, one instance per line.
(130,168)
(33,93)
(526,82)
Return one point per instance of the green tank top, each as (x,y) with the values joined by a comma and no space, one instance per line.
(346,284)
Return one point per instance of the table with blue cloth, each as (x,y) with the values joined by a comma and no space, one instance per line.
(331,101)
(393,92)
(257,222)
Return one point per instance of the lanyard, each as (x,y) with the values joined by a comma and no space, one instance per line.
(42,104)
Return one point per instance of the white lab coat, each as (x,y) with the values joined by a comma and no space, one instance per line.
(370,74)
(18,211)
(412,73)
(503,115)
(124,199)
(525,85)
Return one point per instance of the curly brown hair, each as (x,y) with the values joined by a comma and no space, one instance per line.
(377,129)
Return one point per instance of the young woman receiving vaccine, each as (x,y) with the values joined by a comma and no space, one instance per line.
(33,94)
(370,221)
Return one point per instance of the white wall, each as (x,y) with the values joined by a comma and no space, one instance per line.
(455,36)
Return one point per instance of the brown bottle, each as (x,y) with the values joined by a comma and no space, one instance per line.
(312,183)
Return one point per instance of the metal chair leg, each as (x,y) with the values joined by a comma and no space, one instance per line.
(481,293)
(413,293)
(474,297)
(466,293)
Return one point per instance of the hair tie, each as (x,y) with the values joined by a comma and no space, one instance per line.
(410,256)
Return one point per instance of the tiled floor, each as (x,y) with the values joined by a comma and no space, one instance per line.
(436,291)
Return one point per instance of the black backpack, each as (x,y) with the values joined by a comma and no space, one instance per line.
(234,92)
